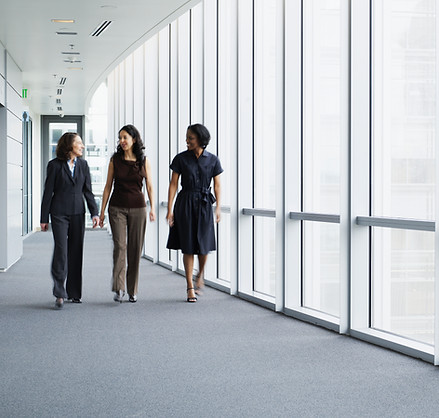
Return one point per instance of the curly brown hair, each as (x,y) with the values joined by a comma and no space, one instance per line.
(65,145)
(138,146)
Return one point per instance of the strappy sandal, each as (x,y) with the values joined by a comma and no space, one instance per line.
(191,299)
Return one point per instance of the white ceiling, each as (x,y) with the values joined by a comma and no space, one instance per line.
(29,35)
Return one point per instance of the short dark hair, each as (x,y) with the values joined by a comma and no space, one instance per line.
(202,134)
(138,146)
(65,145)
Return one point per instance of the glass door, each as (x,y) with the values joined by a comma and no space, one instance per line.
(52,129)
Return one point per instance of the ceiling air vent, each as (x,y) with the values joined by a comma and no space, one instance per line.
(58,101)
(71,60)
(103,26)
(62,81)
(59,108)
(58,92)
(66,33)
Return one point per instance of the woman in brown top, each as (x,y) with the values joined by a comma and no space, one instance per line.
(127,209)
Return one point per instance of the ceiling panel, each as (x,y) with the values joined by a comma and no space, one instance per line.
(44,57)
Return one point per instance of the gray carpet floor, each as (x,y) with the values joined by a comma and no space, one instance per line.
(163,357)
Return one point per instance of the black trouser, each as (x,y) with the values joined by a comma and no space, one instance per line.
(68,235)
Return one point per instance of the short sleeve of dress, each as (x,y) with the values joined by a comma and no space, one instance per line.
(217,168)
(176,164)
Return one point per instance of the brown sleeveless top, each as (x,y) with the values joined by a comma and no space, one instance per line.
(128,183)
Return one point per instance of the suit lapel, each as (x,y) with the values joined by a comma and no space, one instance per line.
(77,169)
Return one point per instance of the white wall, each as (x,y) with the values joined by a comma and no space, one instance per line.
(2,75)
(11,164)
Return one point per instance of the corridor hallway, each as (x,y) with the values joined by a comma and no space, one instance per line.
(163,357)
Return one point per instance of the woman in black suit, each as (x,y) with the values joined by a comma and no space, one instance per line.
(67,183)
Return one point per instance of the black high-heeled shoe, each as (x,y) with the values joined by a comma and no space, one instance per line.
(191,299)
(59,303)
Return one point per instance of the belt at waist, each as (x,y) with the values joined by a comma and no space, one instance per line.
(206,195)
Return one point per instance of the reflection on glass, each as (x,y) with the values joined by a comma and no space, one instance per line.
(264,255)
(404,108)
(321,256)
(321,106)
(403,168)
(403,284)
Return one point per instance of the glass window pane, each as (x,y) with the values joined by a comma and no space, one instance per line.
(321,152)
(96,144)
(224,256)
(404,108)
(267,58)
(227,123)
(264,255)
(321,106)
(321,255)
(403,283)
(227,93)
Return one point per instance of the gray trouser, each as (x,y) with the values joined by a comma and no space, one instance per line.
(128,228)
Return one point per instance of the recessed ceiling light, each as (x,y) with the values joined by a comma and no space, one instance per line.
(63,21)
(75,68)
(108,6)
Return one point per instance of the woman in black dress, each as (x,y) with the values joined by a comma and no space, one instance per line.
(191,223)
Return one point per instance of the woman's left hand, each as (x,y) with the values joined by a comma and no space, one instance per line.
(170,219)
(95,221)
(152,215)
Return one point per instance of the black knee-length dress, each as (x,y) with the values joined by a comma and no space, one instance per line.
(193,230)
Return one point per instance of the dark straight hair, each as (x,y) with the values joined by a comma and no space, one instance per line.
(202,133)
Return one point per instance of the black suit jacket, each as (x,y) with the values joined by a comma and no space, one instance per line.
(64,194)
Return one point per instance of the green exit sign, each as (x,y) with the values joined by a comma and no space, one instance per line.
(24,93)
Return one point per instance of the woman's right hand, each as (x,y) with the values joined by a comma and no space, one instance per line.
(101,220)
(44,227)
(170,219)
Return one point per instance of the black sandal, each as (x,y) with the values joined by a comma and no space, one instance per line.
(191,299)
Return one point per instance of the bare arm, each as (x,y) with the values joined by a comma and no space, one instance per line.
(106,193)
(173,185)
(150,190)
(217,191)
